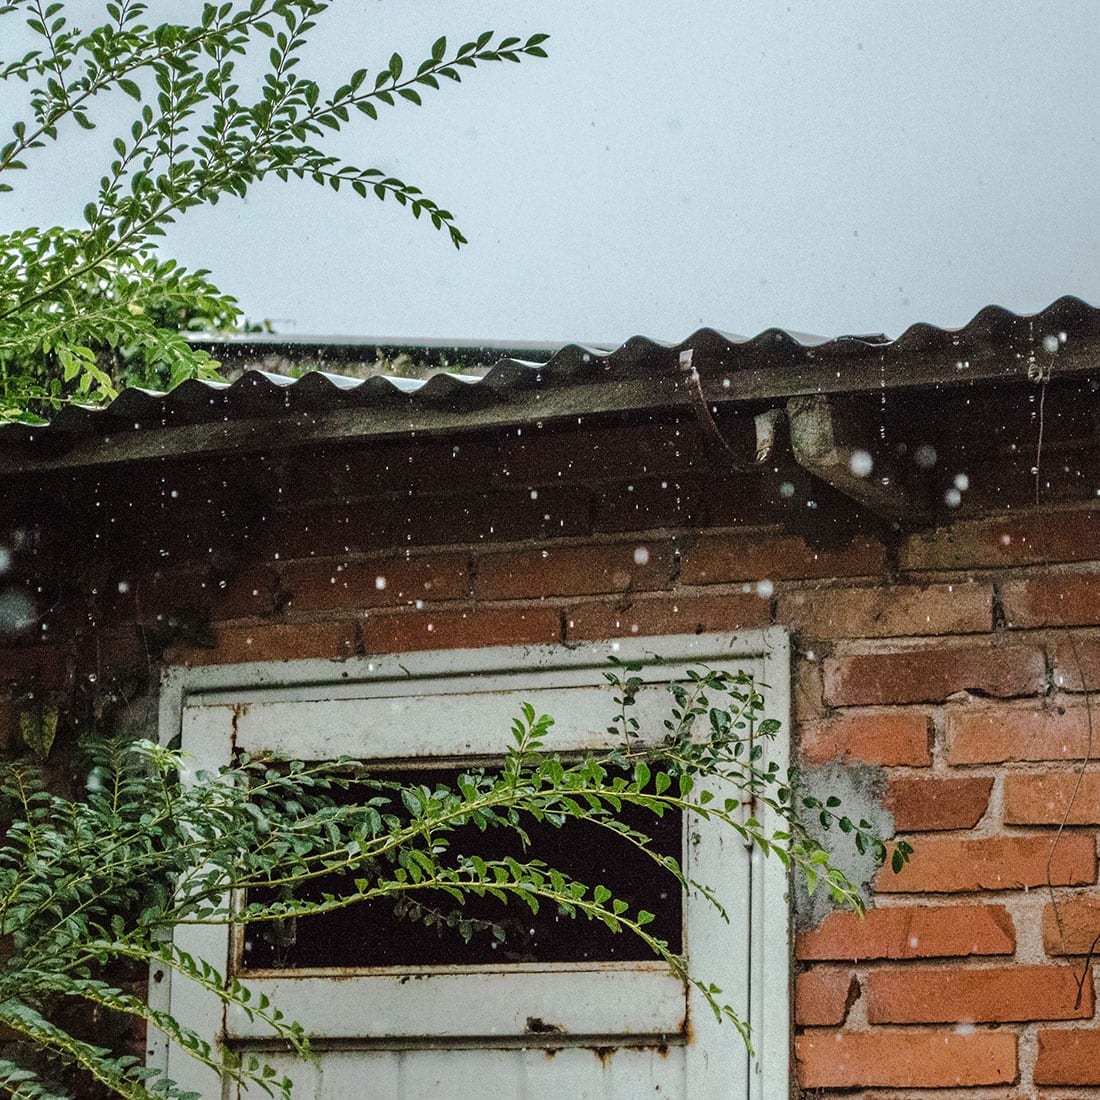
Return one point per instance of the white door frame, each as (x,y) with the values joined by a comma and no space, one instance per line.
(759,897)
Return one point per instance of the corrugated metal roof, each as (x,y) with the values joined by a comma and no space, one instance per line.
(992,344)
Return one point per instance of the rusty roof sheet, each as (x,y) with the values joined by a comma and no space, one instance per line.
(791,363)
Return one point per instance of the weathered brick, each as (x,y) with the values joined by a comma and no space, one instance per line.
(911,932)
(473,518)
(755,556)
(667,615)
(923,805)
(1073,927)
(594,453)
(899,611)
(574,570)
(1057,599)
(272,642)
(376,582)
(949,864)
(1068,1057)
(645,504)
(409,631)
(328,530)
(904,1058)
(45,664)
(9,722)
(935,995)
(806,695)
(822,996)
(1051,798)
(251,593)
(155,593)
(885,737)
(931,675)
(994,735)
(1018,539)
(1075,664)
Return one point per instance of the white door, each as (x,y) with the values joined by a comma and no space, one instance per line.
(541,1028)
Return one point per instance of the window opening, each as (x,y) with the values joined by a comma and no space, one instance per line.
(435,932)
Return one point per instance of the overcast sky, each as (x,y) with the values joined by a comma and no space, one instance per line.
(823,165)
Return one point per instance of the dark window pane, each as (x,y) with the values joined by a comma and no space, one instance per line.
(371,934)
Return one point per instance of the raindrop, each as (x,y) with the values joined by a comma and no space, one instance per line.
(764,588)
(952,498)
(962,482)
(16,612)
(1050,344)
(124,587)
(5,559)
(641,555)
(379,583)
(861,463)
(534,494)
(786,489)
(925,456)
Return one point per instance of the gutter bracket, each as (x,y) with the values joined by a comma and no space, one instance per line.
(831,441)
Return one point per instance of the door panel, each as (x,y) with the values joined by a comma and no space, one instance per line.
(576,1073)
(607,1030)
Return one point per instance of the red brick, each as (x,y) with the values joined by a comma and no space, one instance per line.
(469,519)
(574,570)
(755,555)
(911,932)
(1079,933)
(887,738)
(948,864)
(328,530)
(1058,599)
(1076,664)
(668,615)
(600,454)
(931,675)
(898,611)
(1045,799)
(9,723)
(377,582)
(154,594)
(905,1058)
(252,593)
(45,664)
(1036,537)
(823,996)
(1068,1057)
(806,695)
(408,631)
(994,735)
(272,642)
(645,504)
(922,805)
(937,995)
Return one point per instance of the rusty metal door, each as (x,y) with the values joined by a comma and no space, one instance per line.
(595,1028)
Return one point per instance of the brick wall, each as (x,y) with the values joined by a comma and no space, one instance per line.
(955,660)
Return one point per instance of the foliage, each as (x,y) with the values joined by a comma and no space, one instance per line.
(84,310)
(91,882)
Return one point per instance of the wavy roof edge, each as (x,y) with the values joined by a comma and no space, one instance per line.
(259,393)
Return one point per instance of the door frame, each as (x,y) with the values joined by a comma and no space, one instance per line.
(765,1002)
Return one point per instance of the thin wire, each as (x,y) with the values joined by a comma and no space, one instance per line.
(1071,637)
